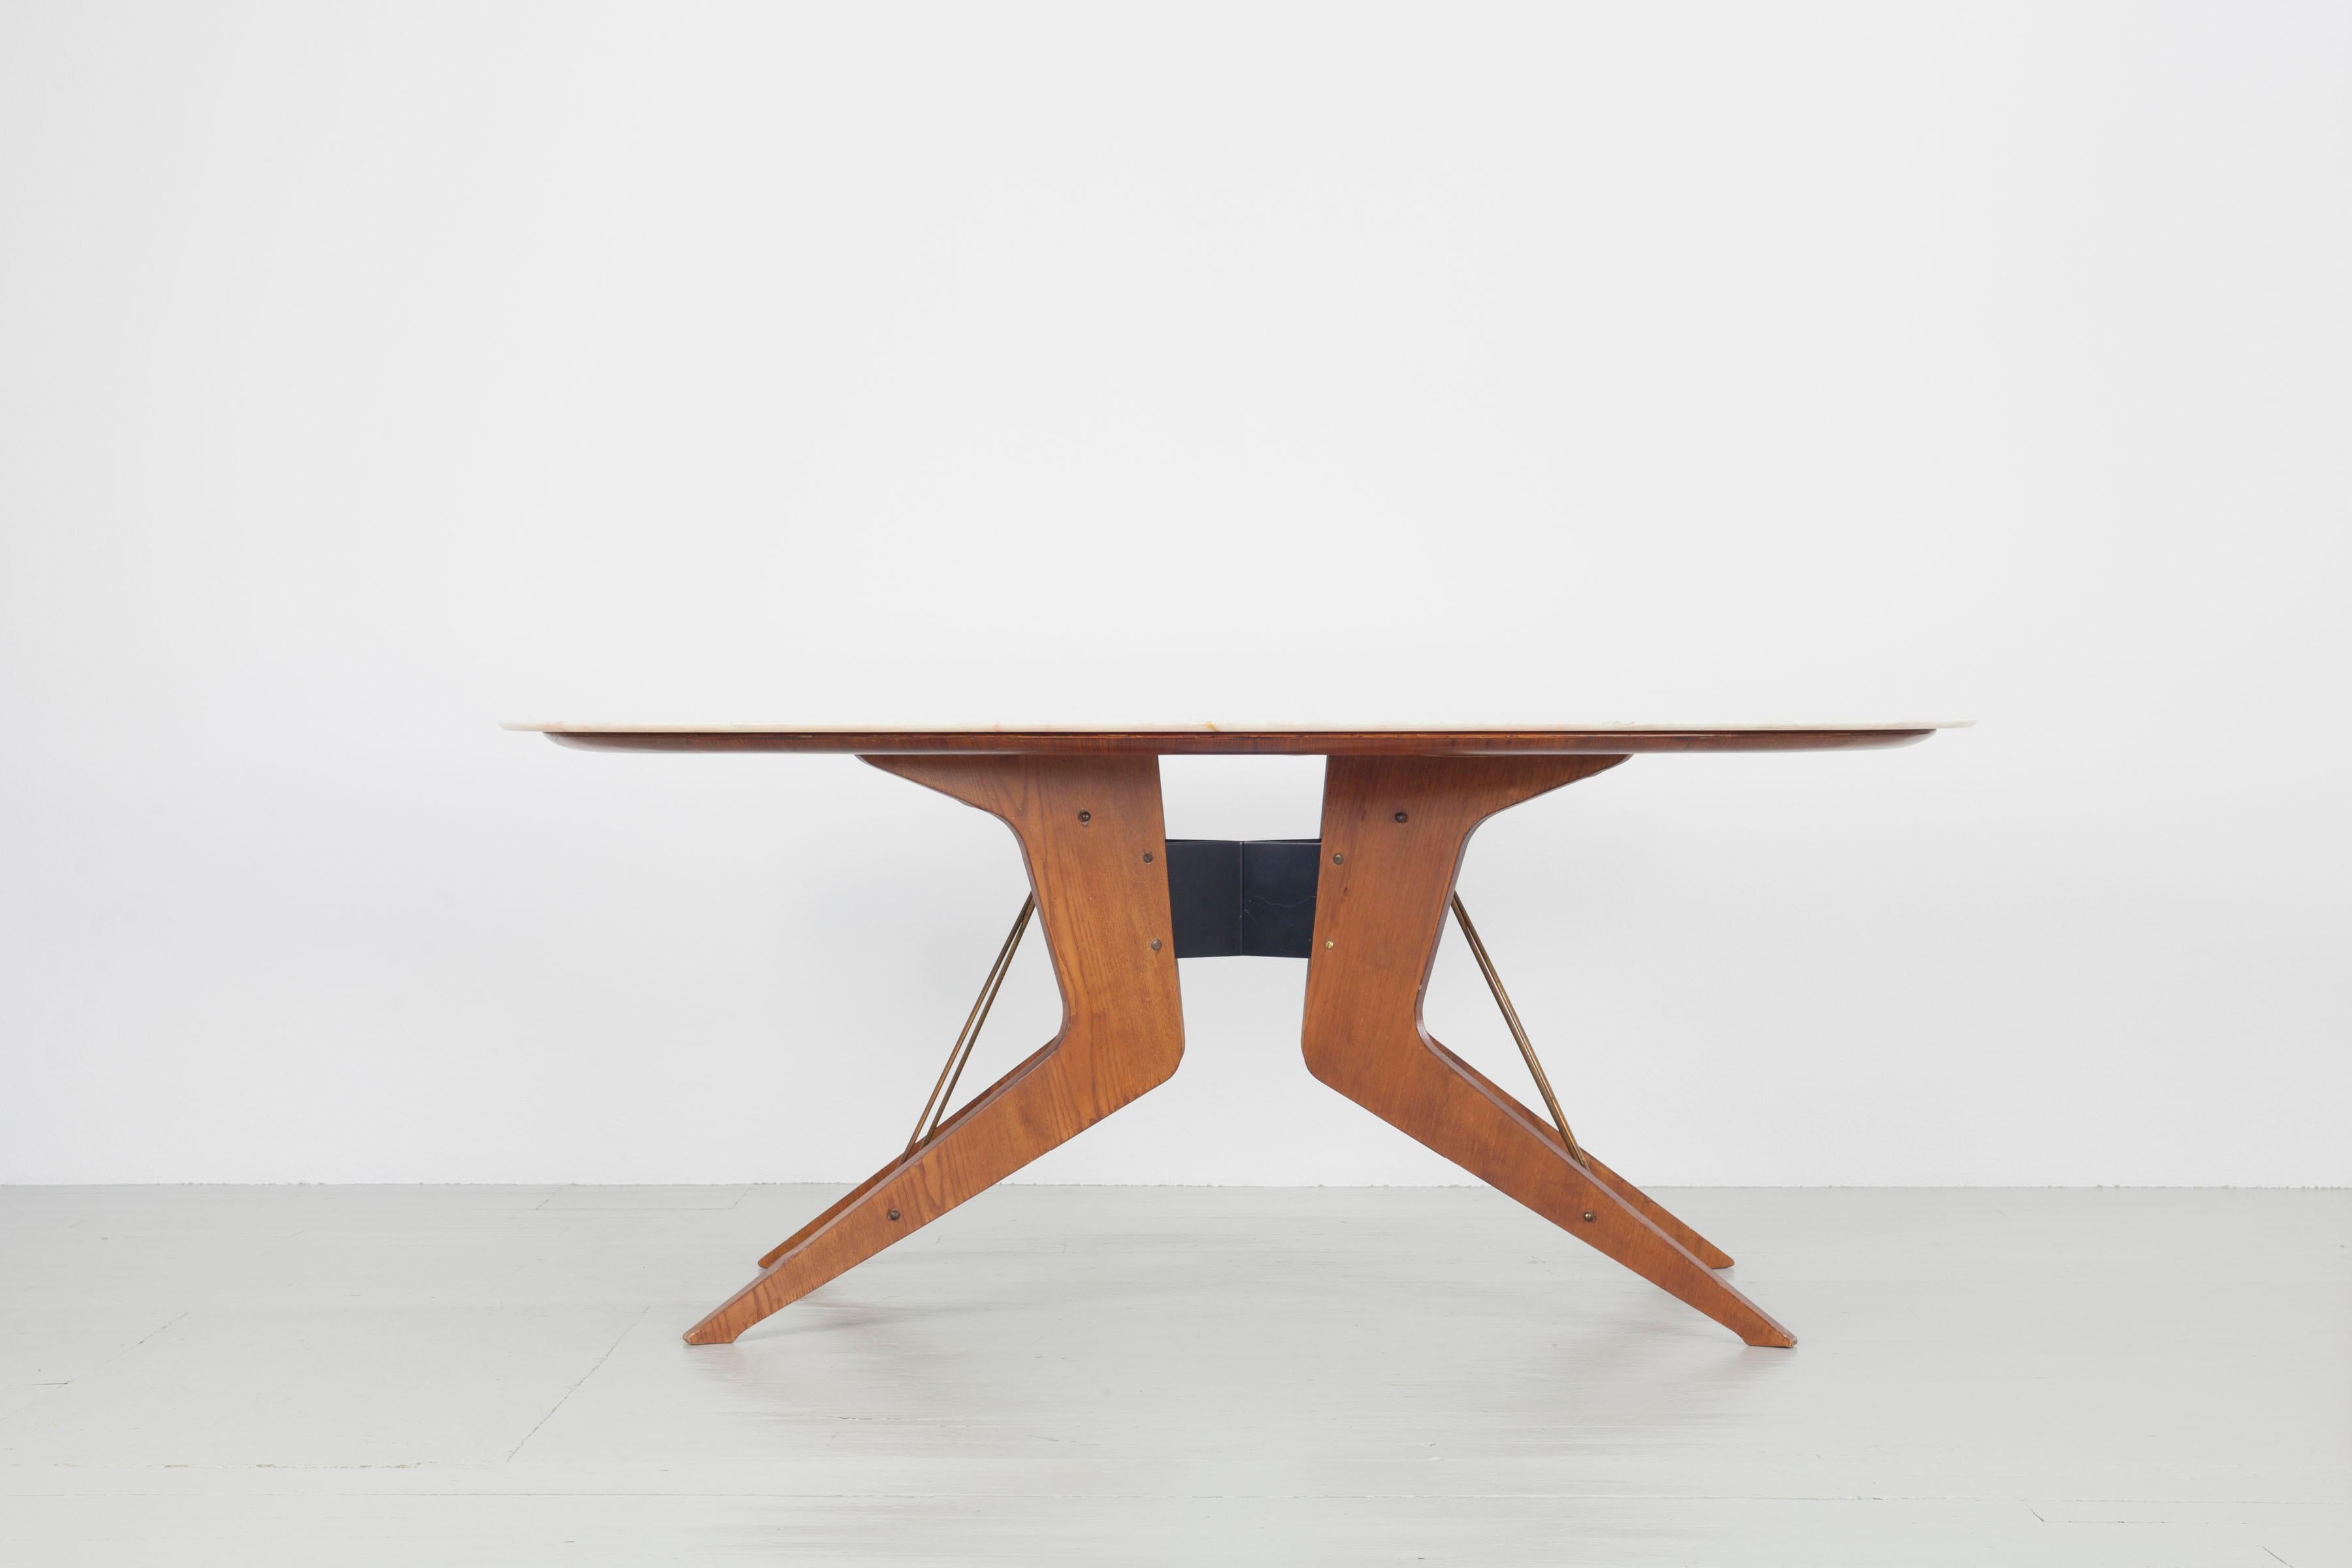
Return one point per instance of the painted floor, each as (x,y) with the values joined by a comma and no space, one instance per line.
(493,1375)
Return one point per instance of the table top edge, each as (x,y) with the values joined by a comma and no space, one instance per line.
(1297,739)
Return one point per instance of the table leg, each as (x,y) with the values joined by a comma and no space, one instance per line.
(1092,835)
(1394,829)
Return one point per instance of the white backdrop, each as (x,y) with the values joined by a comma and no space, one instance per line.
(371,372)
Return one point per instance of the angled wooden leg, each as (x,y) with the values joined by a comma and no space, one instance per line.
(1092,835)
(1656,1213)
(1394,829)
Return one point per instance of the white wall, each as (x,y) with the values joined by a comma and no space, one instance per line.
(371,372)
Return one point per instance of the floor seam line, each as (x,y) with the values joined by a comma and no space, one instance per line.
(583,1377)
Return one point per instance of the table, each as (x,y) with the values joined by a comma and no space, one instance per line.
(1364,903)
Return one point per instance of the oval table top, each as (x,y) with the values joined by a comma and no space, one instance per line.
(1295,740)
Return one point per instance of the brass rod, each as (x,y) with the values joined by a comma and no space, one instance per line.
(987,1005)
(1511,1017)
(953,1068)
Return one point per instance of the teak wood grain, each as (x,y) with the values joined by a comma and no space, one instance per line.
(1091,832)
(1395,830)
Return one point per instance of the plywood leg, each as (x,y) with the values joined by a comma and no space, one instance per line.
(1656,1213)
(1091,833)
(1394,829)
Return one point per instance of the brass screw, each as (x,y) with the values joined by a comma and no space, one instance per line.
(1588,1213)
(894,1214)
(1155,944)
(1400,816)
(1089,816)
(1330,944)
(1339,859)
(1146,857)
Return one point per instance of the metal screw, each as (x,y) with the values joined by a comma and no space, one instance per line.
(1146,857)
(1400,816)
(1155,944)
(1329,944)
(1089,816)
(894,1214)
(1588,1213)
(1339,859)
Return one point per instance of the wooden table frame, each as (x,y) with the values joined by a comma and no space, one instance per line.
(1399,808)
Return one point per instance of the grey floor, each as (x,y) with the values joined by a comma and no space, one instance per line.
(1178,1375)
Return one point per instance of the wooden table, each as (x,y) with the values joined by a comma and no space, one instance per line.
(1364,904)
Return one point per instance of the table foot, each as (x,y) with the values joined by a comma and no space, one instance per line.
(1583,1158)
(1657,1214)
